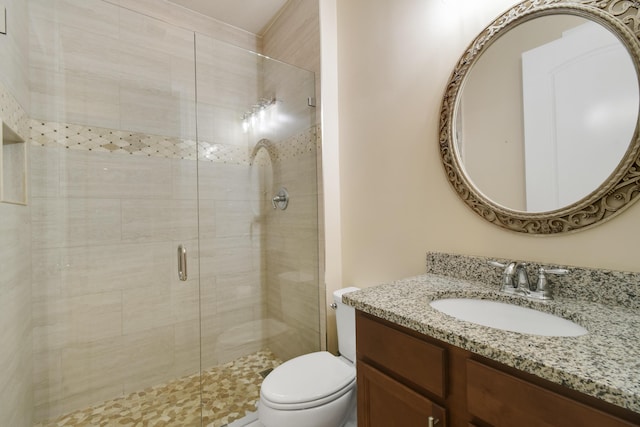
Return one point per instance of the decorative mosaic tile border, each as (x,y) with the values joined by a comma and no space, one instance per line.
(12,113)
(104,140)
(596,285)
(297,145)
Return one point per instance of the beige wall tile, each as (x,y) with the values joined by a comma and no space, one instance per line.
(102,268)
(159,220)
(91,372)
(16,359)
(150,358)
(93,17)
(47,382)
(150,307)
(15,317)
(70,97)
(186,348)
(294,38)
(62,322)
(184,18)
(46,277)
(156,111)
(184,179)
(75,222)
(237,218)
(44,171)
(98,175)
(97,65)
(15,354)
(228,255)
(14,52)
(226,182)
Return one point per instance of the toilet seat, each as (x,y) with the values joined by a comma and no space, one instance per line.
(308,381)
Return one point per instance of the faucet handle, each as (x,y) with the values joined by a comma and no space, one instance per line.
(494,263)
(509,267)
(556,271)
(542,292)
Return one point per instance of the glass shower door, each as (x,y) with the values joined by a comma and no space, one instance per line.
(114,193)
(258,264)
(127,166)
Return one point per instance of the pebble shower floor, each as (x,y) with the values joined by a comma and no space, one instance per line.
(229,391)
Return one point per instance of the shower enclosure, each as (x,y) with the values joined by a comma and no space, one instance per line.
(161,268)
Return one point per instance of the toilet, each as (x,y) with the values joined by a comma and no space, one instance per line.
(316,389)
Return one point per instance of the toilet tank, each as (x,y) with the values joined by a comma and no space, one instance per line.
(346,322)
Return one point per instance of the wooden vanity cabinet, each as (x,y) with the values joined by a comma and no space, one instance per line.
(385,402)
(407,379)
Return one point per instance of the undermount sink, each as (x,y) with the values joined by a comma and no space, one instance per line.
(508,317)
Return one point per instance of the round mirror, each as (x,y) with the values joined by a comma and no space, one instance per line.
(539,121)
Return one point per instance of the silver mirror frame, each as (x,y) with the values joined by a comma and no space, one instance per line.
(618,192)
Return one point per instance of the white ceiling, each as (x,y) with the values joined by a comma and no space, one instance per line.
(250,15)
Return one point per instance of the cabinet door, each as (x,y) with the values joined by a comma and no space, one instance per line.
(384,402)
(504,400)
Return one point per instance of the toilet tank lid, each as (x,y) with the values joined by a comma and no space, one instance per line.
(339,292)
(307,378)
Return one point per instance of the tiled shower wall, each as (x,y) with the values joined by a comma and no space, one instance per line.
(292,251)
(295,39)
(16,390)
(115,190)
(15,292)
(109,313)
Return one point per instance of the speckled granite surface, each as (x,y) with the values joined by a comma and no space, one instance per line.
(604,363)
(602,286)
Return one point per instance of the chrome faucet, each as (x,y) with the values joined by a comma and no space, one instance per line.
(515,280)
(522,278)
(512,270)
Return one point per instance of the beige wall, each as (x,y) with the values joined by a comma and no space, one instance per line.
(394,59)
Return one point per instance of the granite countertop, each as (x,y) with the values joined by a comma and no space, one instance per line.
(605,363)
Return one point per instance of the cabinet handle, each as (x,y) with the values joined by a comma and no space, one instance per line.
(182,263)
(433,421)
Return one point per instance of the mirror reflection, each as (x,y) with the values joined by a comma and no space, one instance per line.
(547,113)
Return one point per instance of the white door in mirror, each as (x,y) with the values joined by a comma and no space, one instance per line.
(580,95)
(3,20)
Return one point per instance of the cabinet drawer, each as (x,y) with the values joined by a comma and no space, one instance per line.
(416,361)
(504,400)
(384,402)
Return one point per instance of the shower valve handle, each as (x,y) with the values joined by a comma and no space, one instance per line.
(278,199)
(281,199)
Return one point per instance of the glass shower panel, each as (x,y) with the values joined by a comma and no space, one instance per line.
(258,265)
(114,192)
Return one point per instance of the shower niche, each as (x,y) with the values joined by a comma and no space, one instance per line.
(13,167)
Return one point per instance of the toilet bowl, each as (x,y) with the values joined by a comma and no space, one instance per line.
(316,389)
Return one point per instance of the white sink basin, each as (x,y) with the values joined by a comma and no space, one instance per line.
(508,317)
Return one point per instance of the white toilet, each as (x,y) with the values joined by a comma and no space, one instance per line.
(316,389)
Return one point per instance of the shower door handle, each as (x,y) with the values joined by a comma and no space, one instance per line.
(182,263)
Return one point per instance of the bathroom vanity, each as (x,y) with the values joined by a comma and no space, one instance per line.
(404,378)
(420,367)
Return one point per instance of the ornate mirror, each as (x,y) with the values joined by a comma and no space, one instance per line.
(539,121)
